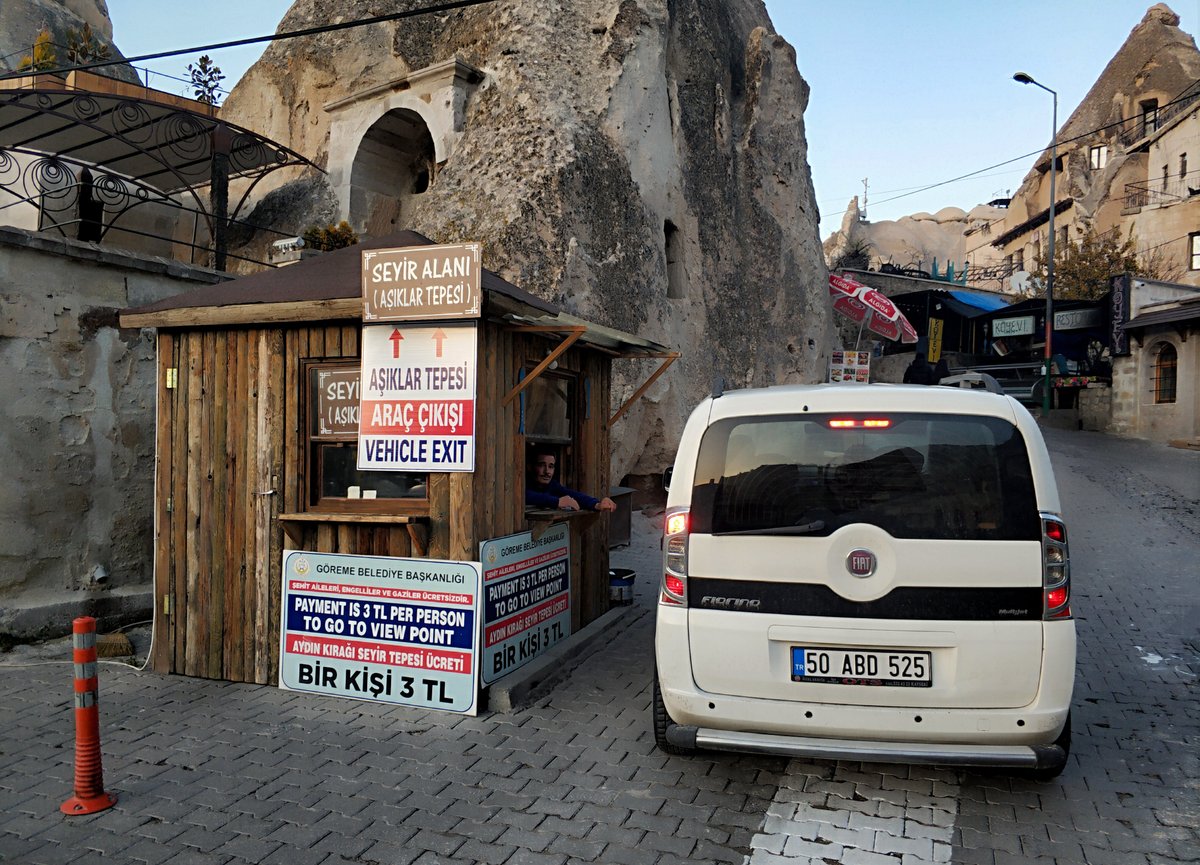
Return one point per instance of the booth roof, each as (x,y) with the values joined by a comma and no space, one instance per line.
(329,286)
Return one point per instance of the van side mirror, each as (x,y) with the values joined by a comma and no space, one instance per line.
(667,478)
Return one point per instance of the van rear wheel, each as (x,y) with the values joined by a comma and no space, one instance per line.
(661,721)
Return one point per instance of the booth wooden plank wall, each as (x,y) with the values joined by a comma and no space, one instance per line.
(231,458)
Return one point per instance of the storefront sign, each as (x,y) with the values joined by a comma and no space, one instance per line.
(1078,319)
(1022,326)
(850,366)
(417,410)
(337,401)
(1119,302)
(936,328)
(390,630)
(421,282)
(526,598)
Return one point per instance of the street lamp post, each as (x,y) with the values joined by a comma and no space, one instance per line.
(1026,78)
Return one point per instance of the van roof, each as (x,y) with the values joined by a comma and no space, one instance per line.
(824,398)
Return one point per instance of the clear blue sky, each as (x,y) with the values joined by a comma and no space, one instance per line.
(905,93)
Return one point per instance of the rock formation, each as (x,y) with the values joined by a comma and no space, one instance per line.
(22,20)
(640,162)
(916,241)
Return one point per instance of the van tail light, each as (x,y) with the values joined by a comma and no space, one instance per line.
(1056,569)
(675,545)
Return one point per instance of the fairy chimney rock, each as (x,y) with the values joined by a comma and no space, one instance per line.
(640,162)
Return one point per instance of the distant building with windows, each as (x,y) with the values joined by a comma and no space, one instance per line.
(1122,164)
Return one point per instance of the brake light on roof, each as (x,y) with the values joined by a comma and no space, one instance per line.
(859,423)
(1056,569)
(675,543)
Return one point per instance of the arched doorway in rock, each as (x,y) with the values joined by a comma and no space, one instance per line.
(394,163)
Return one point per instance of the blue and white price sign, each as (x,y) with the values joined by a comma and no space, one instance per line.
(392,630)
(526,598)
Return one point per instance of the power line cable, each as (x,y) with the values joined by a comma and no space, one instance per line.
(253,40)
(916,190)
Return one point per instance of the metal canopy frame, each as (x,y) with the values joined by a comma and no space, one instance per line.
(141,148)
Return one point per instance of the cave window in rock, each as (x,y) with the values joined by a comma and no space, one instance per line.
(395,163)
(1165,367)
(1149,116)
(676,274)
(1099,156)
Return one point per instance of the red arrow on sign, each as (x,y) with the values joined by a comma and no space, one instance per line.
(395,339)
(439,336)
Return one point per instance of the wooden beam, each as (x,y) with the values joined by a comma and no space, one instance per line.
(249,313)
(573,334)
(668,360)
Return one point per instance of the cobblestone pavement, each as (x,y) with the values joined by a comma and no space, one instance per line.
(211,772)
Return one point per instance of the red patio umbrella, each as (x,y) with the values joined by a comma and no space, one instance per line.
(870,308)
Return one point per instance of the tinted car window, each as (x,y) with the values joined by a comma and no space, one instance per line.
(913,475)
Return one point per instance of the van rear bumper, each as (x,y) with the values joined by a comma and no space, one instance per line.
(1010,756)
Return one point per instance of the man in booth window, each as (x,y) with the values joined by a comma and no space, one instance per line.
(542,490)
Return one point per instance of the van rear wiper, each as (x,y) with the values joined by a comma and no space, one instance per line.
(800,529)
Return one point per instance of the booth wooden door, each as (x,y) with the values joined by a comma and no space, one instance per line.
(217,482)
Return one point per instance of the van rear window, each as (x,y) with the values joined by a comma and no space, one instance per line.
(913,475)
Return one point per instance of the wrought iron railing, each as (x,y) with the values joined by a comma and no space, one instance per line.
(1148,124)
(87,202)
(1159,193)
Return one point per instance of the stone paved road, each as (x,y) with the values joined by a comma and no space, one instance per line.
(209,772)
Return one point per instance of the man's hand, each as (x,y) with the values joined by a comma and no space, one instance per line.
(606,504)
(566,503)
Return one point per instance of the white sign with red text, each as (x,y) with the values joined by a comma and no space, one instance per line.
(417,409)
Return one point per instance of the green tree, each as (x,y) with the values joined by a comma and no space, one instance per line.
(41,57)
(1083,268)
(83,46)
(206,79)
(330,237)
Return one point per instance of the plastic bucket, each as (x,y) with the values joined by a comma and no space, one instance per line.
(620,586)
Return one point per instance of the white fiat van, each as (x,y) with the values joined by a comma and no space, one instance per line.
(869,572)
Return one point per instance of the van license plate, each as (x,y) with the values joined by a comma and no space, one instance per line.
(854,667)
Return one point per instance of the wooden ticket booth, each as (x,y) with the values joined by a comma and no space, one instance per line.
(256,445)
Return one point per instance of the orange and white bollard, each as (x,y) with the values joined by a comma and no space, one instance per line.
(90,796)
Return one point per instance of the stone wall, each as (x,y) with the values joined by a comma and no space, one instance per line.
(1095,408)
(77,444)
(1126,396)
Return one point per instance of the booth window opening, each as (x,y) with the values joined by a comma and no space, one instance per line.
(551,418)
(334,481)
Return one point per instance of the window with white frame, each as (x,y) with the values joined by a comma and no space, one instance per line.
(1194,251)
(1099,157)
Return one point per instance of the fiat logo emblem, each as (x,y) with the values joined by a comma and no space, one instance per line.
(861,563)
